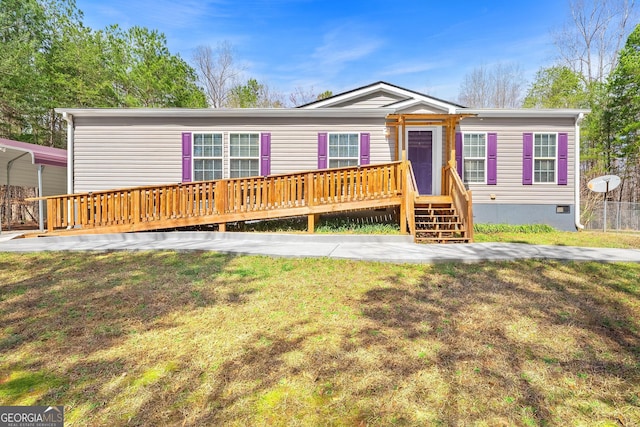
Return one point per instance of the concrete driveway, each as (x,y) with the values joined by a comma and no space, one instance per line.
(397,249)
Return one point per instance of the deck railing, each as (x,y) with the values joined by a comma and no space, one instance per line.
(410,194)
(227,200)
(462,200)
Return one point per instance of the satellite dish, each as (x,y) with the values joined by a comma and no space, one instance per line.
(604,184)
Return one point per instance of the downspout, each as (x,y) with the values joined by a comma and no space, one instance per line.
(70,137)
(40,202)
(576,166)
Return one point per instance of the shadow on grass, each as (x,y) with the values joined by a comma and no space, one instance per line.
(72,306)
(516,344)
(525,343)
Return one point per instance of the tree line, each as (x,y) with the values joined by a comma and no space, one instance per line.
(49,59)
(597,68)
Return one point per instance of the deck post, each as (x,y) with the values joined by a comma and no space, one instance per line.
(222,227)
(451,139)
(50,214)
(309,190)
(220,197)
(136,207)
(470,216)
(397,145)
(312,220)
(404,142)
(405,189)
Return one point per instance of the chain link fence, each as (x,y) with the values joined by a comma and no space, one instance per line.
(620,216)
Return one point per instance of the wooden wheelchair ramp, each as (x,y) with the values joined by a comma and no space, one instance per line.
(229,200)
(310,194)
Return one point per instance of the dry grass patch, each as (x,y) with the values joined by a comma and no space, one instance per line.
(585,238)
(166,338)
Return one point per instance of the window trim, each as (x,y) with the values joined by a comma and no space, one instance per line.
(193,152)
(534,158)
(358,144)
(229,157)
(485,158)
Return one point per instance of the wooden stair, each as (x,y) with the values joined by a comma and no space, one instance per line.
(437,221)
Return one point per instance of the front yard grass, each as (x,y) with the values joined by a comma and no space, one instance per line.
(549,236)
(534,234)
(199,338)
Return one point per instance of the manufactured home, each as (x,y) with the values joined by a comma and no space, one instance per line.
(517,165)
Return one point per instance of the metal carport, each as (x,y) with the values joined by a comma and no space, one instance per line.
(31,165)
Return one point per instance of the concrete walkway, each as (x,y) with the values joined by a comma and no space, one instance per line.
(397,249)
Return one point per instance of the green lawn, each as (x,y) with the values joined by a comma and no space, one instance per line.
(530,234)
(625,240)
(198,338)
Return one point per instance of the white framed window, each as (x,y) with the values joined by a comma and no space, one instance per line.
(244,155)
(474,155)
(207,156)
(545,153)
(344,150)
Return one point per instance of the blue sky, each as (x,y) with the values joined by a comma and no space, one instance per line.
(425,45)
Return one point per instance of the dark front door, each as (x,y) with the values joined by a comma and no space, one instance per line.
(420,155)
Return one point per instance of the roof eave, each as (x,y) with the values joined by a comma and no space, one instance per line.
(522,112)
(231,112)
(39,154)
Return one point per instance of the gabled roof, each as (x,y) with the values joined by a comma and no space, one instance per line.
(39,153)
(408,98)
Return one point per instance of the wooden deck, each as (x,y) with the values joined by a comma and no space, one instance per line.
(230,200)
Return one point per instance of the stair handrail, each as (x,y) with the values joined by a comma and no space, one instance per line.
(461,197)
(410,194)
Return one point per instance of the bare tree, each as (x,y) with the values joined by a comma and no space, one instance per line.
(474,90)
(217,72)
(590,41)
(270,98)
(498,87)
(302,96)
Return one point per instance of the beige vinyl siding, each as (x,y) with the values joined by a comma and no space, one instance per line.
(108,156)
(115,153)
(25,174)
(377,100)
(509,188)
(54,180)
(22,173)
(422,109)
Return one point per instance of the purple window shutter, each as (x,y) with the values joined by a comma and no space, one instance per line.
(186,157)
(527,158)
(492,158)
(322,151)
(459,153)
(563,158)
(265,154)
(365,148)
